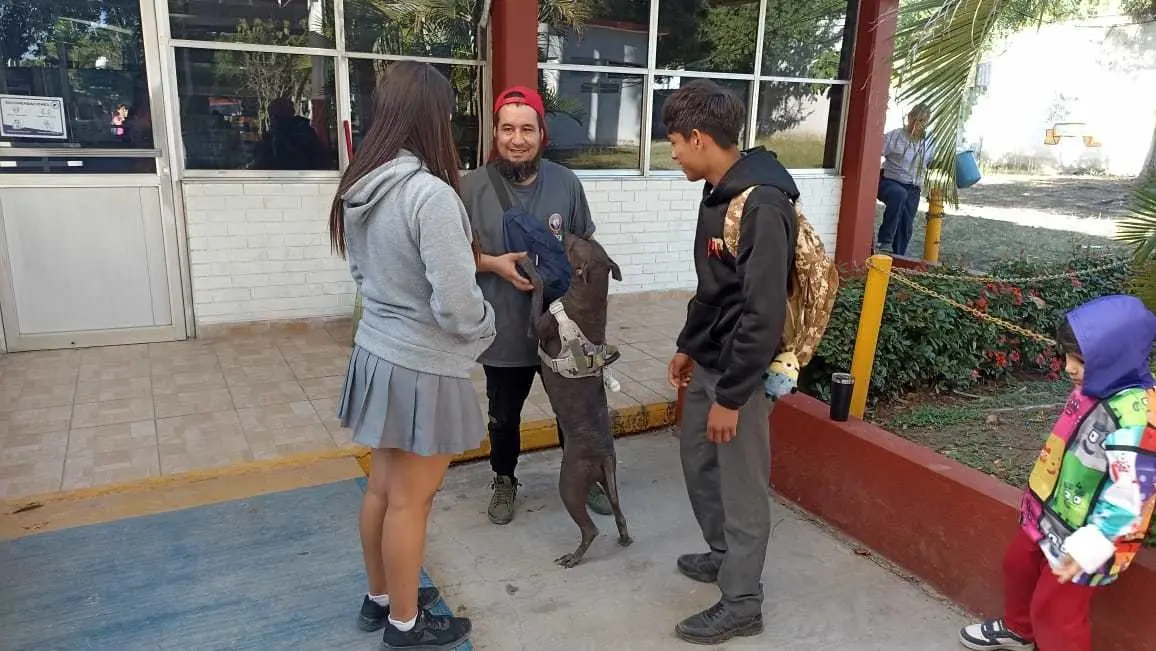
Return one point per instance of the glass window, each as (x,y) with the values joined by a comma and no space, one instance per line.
(445,29)
(663,88)
(708,36)
(74,75)
(256,110)
(593,119)
(300,23)
(466,80)
(804,39)
(602,32)
(800,123)
(75,164)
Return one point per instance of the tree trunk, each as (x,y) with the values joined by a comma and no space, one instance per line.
(1149,171)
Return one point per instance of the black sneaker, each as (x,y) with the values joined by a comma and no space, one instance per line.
(700,567)
(993,635)
(430,633)
(716,625)
(372,616)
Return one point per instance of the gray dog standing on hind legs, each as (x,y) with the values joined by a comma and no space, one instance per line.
(571,335)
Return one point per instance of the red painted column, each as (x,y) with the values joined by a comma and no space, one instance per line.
(514,39)
(863,135)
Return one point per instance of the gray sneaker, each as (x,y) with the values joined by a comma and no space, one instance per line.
(501,509)
(598,501)
(700,567)
(718,624)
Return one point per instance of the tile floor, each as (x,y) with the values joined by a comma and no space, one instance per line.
(76,418)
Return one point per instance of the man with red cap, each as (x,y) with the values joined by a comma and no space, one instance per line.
(518,178)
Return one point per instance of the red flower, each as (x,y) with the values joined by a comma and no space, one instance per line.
(1000,360)
(1040,360)
(1014,356)
(1055,365)
(974,374)
(981,304)
(1076,282)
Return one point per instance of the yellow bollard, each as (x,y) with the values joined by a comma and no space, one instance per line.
(867,337)
(934,225)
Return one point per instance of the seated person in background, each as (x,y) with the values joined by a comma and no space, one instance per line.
(906,155)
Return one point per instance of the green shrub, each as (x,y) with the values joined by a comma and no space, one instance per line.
(926,343)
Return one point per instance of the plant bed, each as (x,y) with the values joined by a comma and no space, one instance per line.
(997,429)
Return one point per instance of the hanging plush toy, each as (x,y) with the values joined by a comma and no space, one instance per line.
(782,377)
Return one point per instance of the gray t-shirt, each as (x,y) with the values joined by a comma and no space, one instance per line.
(557,198)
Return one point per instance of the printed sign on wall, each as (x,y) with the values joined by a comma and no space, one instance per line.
(25,116)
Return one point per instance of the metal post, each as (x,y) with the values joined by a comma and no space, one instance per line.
(867,337)
(934,225)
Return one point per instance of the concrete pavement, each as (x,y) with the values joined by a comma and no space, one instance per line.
(821,594)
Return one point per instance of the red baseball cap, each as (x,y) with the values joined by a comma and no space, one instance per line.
(527,97)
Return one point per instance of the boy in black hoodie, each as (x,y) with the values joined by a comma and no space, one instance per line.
(733,329)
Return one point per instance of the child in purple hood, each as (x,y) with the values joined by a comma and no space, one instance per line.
(1089,500)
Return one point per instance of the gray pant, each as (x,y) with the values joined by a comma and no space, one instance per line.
(729,489)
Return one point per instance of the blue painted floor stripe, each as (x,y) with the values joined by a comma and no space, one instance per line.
(279,571)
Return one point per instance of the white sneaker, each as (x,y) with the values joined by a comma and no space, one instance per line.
(993,635)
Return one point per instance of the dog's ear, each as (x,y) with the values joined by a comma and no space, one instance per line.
(615,271)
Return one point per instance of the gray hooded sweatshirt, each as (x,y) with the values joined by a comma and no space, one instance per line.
(408,239)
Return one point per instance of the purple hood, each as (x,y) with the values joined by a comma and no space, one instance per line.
(1115,334)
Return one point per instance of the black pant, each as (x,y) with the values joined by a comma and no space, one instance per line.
(506,392)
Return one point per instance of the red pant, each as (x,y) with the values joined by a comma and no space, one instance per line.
(1038,607)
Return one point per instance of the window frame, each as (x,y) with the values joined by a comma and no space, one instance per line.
(754,79)
(340,57)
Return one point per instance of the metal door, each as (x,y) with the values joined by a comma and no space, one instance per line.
(88,237)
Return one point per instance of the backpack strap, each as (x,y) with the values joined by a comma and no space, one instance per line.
(500,188)
(733,220)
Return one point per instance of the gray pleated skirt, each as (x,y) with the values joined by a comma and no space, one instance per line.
(389,406)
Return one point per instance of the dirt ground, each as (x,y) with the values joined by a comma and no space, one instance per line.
(1074,196)
(1042,218)
(999,430)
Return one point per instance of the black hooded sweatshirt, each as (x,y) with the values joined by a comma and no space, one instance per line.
(734,323)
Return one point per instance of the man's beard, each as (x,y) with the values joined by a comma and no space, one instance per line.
(519,172)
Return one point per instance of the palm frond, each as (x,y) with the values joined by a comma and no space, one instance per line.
(565,13)
(1139,228)
(935,70)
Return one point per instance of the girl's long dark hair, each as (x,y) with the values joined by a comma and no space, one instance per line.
(412,107)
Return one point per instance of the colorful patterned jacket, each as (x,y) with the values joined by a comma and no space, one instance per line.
(1098,470)
(1092,492)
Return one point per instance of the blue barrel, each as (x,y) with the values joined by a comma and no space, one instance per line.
(966,169)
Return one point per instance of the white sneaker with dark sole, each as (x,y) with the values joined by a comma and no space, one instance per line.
(993,635)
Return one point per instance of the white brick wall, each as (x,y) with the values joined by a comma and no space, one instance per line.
(260,250)
(647,225)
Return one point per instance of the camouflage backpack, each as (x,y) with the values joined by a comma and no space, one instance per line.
(814,283)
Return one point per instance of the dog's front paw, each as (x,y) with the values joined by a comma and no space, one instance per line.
(569,560)
(625,540)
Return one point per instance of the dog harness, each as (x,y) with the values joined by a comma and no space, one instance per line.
(579,358)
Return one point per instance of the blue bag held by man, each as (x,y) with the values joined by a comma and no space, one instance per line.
(521,231)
